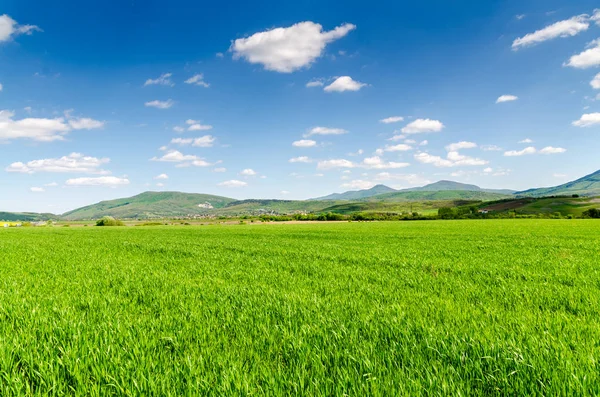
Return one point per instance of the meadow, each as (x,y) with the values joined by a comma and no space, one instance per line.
(488,307)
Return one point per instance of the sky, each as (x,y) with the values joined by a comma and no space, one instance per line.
(292,100)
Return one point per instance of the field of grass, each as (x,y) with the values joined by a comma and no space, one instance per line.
(502,307)
(545,205)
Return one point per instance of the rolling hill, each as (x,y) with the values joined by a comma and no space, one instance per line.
(151,205)
(26,216)
(456,186)
(427,195)
(358,194)
(589,185)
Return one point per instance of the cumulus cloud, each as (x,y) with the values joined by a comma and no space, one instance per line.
(587,120)
(567,28)
(526,151)
(304,143)
(453,159)
(326,131)
(220,169)
(178,129)
(491,148)
(233,183)
(198,79)
(37,189)
(344,83)
(109,181)
(301,159)
(506,98)
(377,163)
(314,83)
(74,163)
(397,148)
(184,160)
(336,163)
(526,140)
(453,147)
(160,104)
(164,79)
(288,49)
(588,58)
(9,28)
(203,141)
(42,129)
(390,120)
(248,172)
(162,176)
(420,126)
(595,83)
(552,150)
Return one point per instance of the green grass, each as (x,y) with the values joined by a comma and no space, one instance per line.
(504,307)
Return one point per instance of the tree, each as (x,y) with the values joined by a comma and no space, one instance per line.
(592,213)
(109,221)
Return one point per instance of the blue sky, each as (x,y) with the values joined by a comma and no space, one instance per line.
(292,100)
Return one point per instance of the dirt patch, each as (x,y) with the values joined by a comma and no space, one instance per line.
(510,205)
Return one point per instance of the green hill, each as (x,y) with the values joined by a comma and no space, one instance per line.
(543,205)
(589,185)
(456,186)
(26,216)
(416,195)
(149,205)
(358,194)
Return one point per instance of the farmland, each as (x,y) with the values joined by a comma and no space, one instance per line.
(507,307)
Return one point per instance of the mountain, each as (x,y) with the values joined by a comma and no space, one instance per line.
(358,194)
(151,205)
(457,186)
(436,195)
(589,185)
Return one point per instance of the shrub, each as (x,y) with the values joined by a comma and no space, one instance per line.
(109,221)
(592,213)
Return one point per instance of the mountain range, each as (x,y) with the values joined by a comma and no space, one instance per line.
(150,205)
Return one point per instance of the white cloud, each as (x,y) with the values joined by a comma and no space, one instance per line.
(588,58)
(178,129)
(304,143)
(506,98)
(587,120)
(162,176)
(420,126)
(301,159)
(398,148)
(595,83)
(85,123)
(390,120)
(596,16)
(552,150)
(288,49)
(175,156)
(314,83)
(424,143)
(344,83)
(37,189)
(1,87)
(397,138)
(203,141)
(199,127)
(197,79)
(526,140)
(74,163)
(284,192)
(520,16)
(337,163)
(491,148)
(566,28)
(220,169)
(377,163)
(358,184)
(51,184)
(233,183)
(160,104)
(220,55)
(453,159)
(39,129)
(527,150)
(248,172)
(164,79)
(326,131)
(110,181)
(453,147)
(9,28)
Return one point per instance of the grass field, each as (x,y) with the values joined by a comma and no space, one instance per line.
(504,307)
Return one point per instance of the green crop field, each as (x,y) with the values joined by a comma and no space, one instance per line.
(502,307)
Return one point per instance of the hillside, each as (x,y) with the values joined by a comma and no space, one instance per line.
(26,216)
(416,195)
(589,185)
(151,205)
(457,186)
(544,205)
(358,194)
